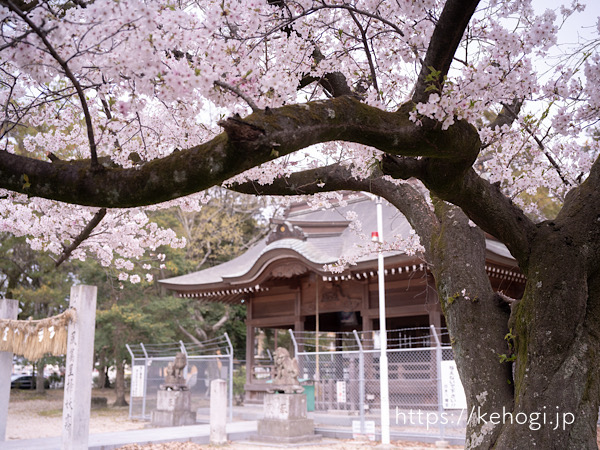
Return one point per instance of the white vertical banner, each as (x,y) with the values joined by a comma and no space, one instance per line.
(78,376)
(137,380)
(341,391)
(453,393)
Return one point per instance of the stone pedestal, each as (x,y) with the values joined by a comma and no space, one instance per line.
(173,409)
(285,420)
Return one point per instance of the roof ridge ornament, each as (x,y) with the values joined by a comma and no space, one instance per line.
(286,230)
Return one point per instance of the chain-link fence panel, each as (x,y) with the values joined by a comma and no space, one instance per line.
(345,371)
(206,361)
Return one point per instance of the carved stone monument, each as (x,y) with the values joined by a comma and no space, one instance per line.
(173,401)
(285,415)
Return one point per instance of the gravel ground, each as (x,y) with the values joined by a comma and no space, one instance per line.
(32,416)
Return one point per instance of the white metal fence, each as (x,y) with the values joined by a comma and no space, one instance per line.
(206,361)
(426,398)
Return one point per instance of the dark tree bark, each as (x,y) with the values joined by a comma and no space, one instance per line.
(457,260)
(39,376)
(120,384)
(103,380)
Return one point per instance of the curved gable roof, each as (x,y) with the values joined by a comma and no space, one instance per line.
(321,237)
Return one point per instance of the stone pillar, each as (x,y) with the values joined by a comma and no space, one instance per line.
(78,376)
(285,420)
(218,412)
(8,310)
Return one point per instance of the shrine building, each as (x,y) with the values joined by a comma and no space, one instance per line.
(284,284)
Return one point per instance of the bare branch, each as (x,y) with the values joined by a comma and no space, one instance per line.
(334,83)
(239,93)
(190,336)
(363,35)
(508,114)
(222,320)
(506,298)
(85,233)
(514,113)
(336,177)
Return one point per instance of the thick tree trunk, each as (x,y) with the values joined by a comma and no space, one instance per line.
(556,328)
(120,384)
(552,403)
(103,380)
(457,260)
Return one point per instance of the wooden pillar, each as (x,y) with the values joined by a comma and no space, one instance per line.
(298,317)
(78,376)
(8,310)
(249,343)
(435,318)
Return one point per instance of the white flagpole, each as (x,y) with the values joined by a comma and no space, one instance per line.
(383,359)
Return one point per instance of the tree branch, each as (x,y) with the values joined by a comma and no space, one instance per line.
(483,202)
(239,93)
(63,64)
(442,159)
(221,321)
(336,177)
(490,209)
(85,233)
(508,114)
(363,35)
(247,143)
(334,83)
(190,336)
(580,216)
(443,44)
(511,111)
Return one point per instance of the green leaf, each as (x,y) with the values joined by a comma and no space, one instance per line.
(25,180)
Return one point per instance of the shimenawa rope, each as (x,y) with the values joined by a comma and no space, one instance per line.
(35,338)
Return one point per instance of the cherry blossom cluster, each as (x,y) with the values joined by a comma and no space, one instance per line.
(156,77)
(124,238)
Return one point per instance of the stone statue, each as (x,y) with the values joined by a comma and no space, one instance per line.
(174,380)
(285,377)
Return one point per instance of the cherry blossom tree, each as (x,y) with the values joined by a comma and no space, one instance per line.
(457,112)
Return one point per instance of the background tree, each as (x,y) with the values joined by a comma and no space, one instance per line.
(227,225)
(224,228)
(126,314)
(148,138)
